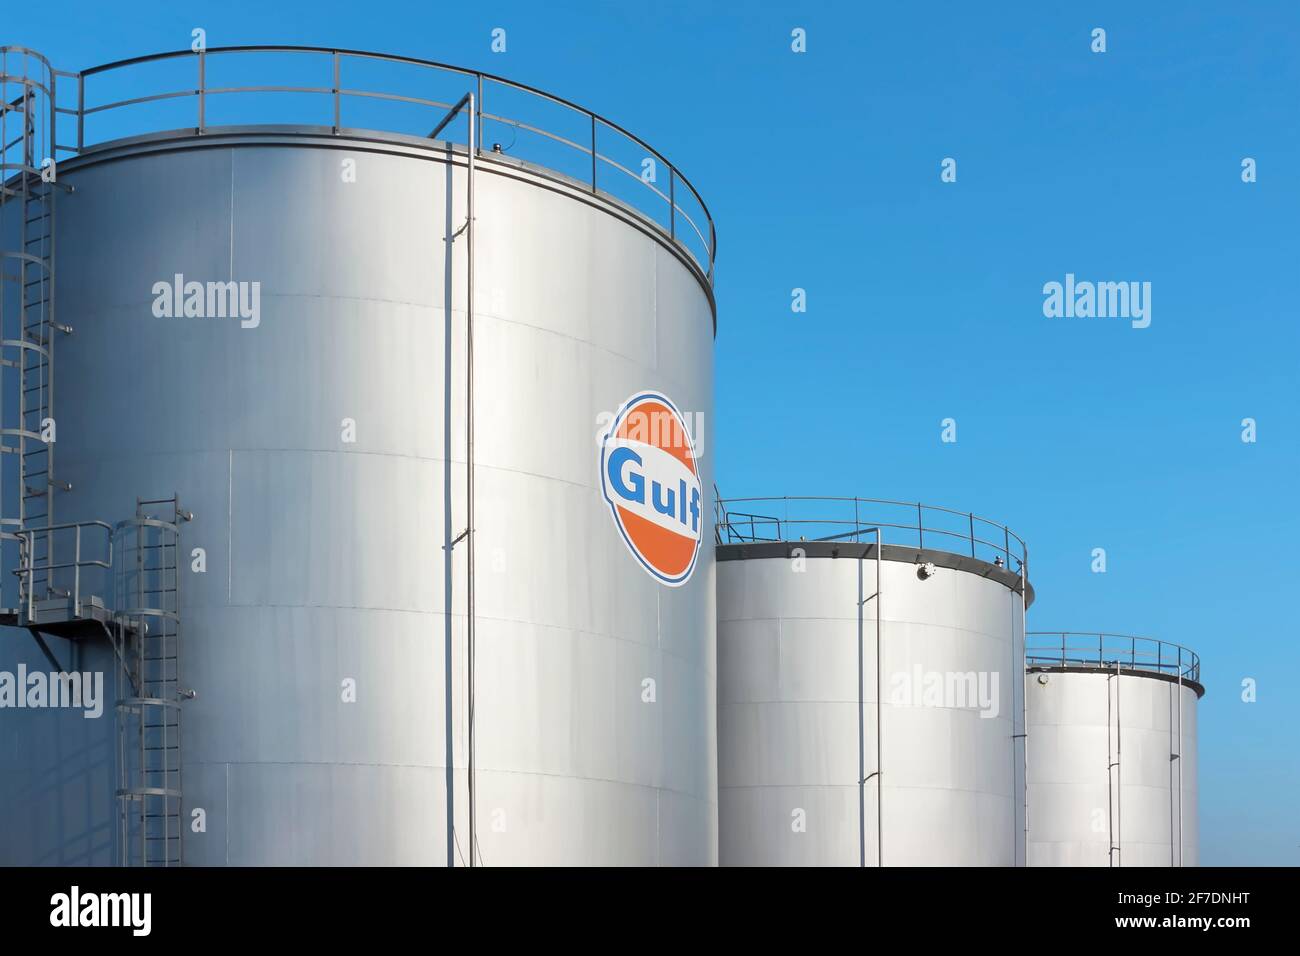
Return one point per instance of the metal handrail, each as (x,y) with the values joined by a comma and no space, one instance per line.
(28,569)
(337,92)
(1109,652)
(849,519)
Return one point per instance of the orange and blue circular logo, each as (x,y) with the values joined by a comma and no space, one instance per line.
(650,478)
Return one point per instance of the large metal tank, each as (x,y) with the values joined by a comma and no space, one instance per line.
(1112,750)
(870,685)
(321,449)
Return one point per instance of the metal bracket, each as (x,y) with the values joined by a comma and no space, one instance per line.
(45,649)
(456,235)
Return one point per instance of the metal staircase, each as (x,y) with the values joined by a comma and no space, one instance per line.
(148,641)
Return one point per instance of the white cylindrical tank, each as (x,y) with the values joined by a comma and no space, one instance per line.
(826,758)
(321,447)
(1112,750)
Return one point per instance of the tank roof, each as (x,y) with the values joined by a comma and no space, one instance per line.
(1100,652)
(361,92)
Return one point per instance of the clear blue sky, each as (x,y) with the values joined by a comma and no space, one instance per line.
(924,298)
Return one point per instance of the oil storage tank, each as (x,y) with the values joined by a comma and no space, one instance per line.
(870,684)
(1112,750)
(408,366)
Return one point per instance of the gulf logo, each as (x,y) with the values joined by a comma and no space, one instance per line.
(650,479)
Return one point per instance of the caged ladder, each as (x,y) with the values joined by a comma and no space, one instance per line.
(149,695)
(27,322)
(65,571)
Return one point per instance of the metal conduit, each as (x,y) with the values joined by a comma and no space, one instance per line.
(1024,701)
(1180,762)
(863,776)
(468,104)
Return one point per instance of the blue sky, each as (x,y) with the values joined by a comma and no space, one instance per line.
(925,298)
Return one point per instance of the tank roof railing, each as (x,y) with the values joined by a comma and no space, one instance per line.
(794,518)
(661,209)
(1103,651)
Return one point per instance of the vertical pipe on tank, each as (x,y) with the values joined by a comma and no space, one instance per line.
(1024,698)
(1180,756)
(1110,776)
(467,103)
(1169,716)
(1119,770)
(1012,650)
(862,746)
(880,731)
(1021,807)
(469,462)
(863,776)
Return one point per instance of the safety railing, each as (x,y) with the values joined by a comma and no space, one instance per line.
(751,520)
(1109,651)
(43,578)
(557,136)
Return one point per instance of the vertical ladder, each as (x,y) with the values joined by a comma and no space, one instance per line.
(27,324)
(148,638)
